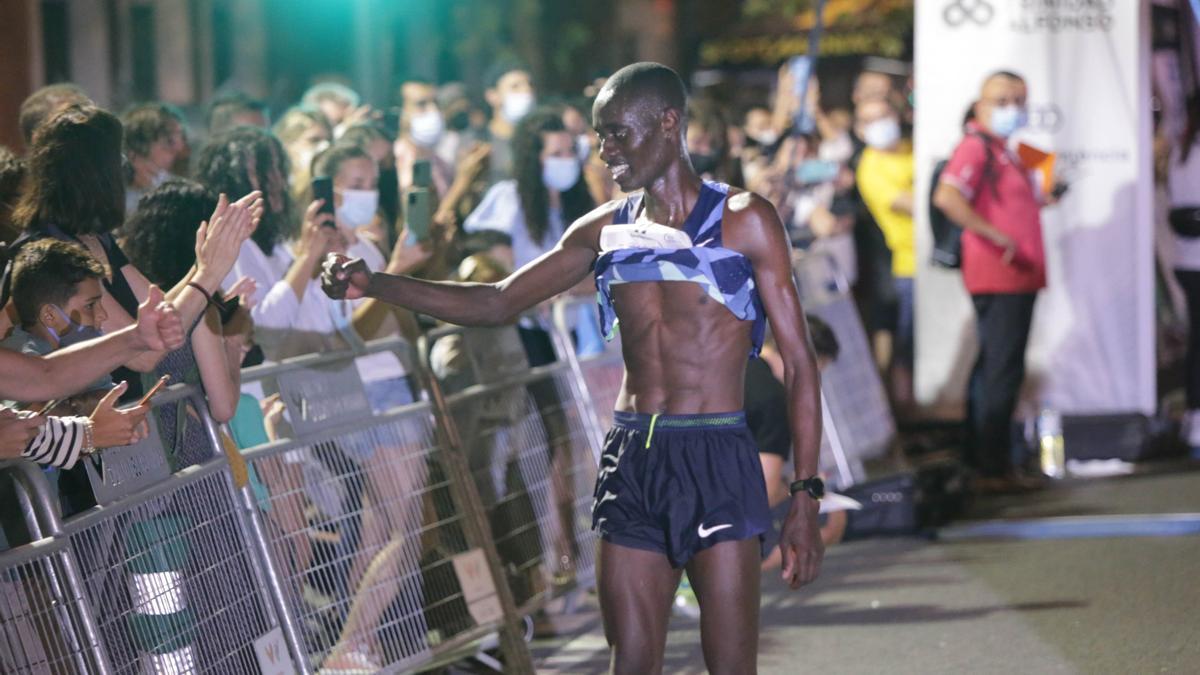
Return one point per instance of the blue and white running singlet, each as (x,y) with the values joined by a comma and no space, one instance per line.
(724,274)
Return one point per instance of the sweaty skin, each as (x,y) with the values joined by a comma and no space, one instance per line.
(684,354)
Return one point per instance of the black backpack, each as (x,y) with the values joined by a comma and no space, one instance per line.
(947,234)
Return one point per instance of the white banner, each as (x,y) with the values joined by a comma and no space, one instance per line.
(1087,66)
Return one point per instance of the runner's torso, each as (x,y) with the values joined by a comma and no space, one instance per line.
(688,315)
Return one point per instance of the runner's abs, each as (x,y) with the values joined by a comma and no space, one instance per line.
(684,353)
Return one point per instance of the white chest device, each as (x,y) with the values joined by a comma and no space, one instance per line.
(642,234)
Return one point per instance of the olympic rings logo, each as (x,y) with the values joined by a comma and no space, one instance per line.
(1048,117)
(887,497)
(958,12)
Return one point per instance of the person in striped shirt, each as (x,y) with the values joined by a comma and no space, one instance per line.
(56,290)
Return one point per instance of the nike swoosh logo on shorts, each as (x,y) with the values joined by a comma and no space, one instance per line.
(704,533)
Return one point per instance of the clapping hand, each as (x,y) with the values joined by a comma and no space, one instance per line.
(219,239)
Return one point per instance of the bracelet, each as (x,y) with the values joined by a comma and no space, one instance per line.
(207,296)
(89,445)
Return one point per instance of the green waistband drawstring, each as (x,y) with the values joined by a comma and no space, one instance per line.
(650,434)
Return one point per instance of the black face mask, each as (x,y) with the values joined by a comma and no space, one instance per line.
(459,120)
(704,162)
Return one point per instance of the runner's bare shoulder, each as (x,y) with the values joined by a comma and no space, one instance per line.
(749,217)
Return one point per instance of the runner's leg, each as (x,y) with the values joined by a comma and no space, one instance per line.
(636,589)
(726,579)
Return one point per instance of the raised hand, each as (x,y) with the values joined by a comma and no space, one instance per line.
(317,234)
(112,428)
(220,238)
(345,278)
(158,325)
(16,432)
(473,162)
(243,288)
(407,257)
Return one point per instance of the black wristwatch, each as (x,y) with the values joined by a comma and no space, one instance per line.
(815,487)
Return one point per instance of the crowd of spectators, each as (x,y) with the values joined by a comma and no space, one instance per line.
(232,221)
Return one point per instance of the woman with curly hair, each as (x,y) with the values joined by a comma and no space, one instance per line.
(158,243)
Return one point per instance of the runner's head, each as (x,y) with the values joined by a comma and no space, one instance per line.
(640,116)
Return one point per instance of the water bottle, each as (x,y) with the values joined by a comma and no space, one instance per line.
(1050,443)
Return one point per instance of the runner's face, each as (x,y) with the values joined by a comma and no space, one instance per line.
(635,142)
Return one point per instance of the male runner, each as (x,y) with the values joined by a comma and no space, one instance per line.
(680,485)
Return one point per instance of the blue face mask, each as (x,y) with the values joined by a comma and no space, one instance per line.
(1005,121)
(74,333)
(560,173)
(813,171)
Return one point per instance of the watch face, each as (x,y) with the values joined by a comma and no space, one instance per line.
(816,487)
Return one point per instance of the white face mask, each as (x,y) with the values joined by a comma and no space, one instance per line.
(516,105)
(427,128)
(560,173)
(765,138)
(882,134)
(358,207)
(161,176)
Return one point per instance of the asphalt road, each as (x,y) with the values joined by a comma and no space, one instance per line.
(1127,604)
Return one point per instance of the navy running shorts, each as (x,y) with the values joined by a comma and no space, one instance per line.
(677,484)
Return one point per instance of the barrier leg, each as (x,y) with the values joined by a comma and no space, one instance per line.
(477,529)
(42,519)
(250,523)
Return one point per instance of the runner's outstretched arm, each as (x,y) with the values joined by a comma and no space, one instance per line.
(474,304)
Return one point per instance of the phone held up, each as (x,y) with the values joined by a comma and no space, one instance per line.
(322,188)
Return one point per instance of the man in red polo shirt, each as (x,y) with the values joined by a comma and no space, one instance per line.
(985,189)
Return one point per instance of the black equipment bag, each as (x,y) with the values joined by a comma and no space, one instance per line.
(1185,221)
(889,508)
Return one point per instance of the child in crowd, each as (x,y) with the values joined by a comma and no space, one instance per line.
(57,292)
(57,295)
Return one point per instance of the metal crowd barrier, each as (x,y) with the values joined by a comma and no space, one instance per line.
(531,442)
(855,403)
(369,527)
(162,579)
(356,533)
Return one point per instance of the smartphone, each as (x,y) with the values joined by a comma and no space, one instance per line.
(389,202)
(322,188)
(391,121)
(422,174)
(162,382)
(418,214)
